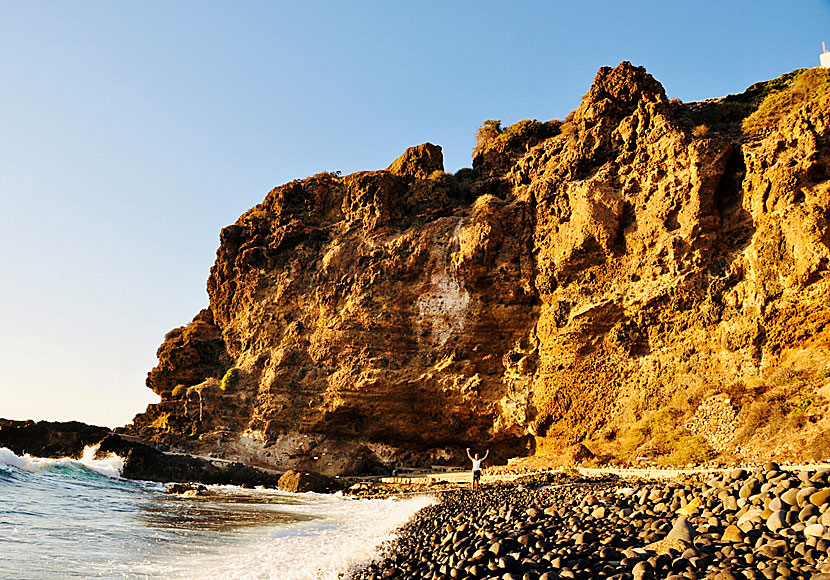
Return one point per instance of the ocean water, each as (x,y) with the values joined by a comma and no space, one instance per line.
(65,518)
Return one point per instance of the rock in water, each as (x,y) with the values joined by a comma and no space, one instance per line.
(300,481)
(187,489)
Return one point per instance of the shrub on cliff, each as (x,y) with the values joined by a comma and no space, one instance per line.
(488,131)
(798,87)
(230,379)
(660,434)
(527,131)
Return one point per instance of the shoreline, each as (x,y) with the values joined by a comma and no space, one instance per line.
(766,523)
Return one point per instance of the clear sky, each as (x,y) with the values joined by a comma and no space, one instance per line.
(132,132)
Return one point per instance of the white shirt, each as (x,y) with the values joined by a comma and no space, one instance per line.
(477,464)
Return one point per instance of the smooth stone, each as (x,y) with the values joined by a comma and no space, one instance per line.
(788,533)
(822,476)
(682,530)
(772,550)
(777,504)
(730,503)
(808,511)
(818,531)
(642,566)
(733,534)
(777,520)
(585,538)
(747,521)
(820,497)
(803,495)
(789,496)
(749,488)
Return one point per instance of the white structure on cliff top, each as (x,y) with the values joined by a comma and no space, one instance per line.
(825,57)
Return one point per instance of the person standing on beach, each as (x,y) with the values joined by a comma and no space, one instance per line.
(476,467)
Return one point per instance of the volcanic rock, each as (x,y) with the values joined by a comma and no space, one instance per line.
(582,275)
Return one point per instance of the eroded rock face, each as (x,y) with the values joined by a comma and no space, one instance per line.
(584,273)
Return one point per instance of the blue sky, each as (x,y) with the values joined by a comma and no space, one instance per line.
(132,132)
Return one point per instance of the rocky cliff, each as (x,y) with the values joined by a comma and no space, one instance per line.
(648,277)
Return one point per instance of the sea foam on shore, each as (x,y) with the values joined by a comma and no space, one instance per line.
(340,535)
(66,518)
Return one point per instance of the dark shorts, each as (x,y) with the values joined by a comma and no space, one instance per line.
(476,475)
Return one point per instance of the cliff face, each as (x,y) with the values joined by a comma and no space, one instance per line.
(603,279)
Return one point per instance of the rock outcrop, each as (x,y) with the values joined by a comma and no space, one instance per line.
(49,438)
(585,276)
(141,461)
(301,481)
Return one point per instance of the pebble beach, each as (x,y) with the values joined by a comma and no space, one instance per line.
(760,523)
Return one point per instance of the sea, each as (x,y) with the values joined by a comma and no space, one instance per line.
(78,518)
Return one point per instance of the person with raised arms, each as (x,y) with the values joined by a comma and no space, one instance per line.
(476,467)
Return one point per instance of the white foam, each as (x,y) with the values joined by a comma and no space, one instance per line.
(347,533)
(111,465)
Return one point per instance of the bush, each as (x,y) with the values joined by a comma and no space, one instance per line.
(524,133)
(760,90)
(664,437)
(787,94)
(801,404)
(782,404)
(230,379)
(682,448)
(701,130)
(488,131)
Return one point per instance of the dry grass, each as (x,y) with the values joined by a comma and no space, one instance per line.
(727,115)
(661,434)
(803,86)
(819,448)
(682,448)
(701,130)
(784,399)
(483,202)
